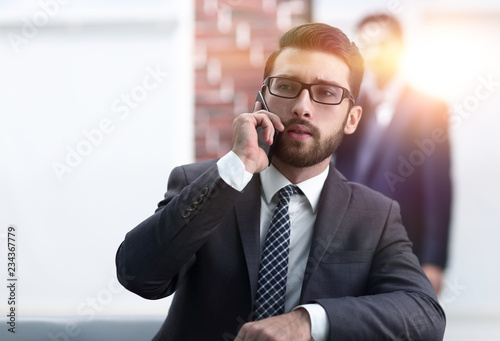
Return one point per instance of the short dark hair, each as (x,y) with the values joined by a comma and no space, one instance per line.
(324,38)
(385,21)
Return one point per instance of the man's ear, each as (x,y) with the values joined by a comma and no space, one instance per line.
(353,118)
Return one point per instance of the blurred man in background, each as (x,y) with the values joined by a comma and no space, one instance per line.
(401,146)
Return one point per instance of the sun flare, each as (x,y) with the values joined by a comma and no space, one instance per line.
(444,65)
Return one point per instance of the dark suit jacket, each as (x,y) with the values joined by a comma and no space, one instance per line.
(410,163)
(203,244)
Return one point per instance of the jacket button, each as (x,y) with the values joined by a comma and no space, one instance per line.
(192,207)
(204,191)
(199,199)
(186,213)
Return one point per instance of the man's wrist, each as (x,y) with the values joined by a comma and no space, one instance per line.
(232,171)
(304,321)
(320,325)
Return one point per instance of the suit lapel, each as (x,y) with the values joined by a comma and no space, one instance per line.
(248,216)
(332,207)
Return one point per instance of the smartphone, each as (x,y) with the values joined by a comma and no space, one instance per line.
(269,149)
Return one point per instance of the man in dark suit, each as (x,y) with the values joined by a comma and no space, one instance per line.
(401,146)
(349,270)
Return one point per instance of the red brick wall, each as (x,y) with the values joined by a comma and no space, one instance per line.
(233,39)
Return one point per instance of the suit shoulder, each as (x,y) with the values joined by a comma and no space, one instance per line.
(362,195)
(364,191)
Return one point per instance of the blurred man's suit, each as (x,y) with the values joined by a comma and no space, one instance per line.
(406,158)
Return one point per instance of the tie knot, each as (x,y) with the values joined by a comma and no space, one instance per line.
(286,192)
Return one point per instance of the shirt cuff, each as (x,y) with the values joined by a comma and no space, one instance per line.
(320,325)
(232,171)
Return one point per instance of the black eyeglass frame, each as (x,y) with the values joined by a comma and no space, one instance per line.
(345,92)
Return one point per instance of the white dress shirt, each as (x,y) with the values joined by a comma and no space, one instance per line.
(303,211)
(385,100)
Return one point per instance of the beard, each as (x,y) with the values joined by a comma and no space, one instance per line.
(303,154)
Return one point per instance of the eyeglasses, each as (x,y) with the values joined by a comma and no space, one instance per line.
(321,93)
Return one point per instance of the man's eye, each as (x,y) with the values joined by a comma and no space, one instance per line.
(285,86)
(327,92)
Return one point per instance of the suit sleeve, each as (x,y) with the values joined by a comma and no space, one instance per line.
(399,303)
(157,254)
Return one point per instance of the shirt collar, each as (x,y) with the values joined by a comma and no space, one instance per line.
(272,181)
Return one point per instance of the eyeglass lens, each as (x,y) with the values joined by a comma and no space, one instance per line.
(289,88)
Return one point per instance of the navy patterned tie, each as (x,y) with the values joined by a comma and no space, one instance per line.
(270,298)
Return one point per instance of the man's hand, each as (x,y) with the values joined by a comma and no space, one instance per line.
(245,140)
(435,275)
(295,325)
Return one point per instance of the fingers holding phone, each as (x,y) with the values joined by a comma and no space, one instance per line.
(254,132)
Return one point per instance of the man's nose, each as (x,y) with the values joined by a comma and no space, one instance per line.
(303,105)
